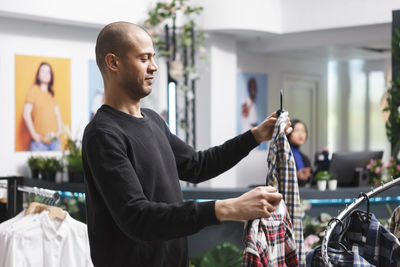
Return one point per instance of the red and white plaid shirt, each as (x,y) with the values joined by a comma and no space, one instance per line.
(281,175)
(270,241)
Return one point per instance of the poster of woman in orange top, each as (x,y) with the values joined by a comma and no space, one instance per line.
(42,102)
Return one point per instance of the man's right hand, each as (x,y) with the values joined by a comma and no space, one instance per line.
(257,203)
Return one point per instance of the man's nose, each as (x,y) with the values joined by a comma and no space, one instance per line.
(153,66)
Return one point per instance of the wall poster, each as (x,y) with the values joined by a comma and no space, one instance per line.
(251,101)
(42,102)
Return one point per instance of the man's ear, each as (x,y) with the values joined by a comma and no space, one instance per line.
(112,62)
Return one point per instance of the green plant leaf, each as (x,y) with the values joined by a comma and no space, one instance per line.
(224,254)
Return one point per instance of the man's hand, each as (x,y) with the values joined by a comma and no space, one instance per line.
(263,131)
(257,203)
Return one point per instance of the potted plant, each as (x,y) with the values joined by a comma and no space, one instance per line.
(74,161)
(41,166)
(33,163)
(332,182)
(51,166)
(322,178)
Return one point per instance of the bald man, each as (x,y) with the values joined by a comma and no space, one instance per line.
(136,215)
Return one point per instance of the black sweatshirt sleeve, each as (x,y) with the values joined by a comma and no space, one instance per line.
(113,176)
(200,166)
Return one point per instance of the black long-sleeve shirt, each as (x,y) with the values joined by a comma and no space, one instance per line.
(136,215)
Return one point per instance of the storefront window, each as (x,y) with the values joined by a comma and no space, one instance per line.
(377,134)
(357,112)
(355,90)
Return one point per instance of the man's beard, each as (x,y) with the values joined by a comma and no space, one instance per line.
(136,90)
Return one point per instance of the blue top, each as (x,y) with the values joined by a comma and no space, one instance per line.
(298,158)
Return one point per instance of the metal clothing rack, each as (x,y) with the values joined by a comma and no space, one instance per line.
(15,190)
(345,212)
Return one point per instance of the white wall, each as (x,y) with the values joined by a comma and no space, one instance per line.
(285,16)
(253,15)
(309,15)
(93,13)
(222,97)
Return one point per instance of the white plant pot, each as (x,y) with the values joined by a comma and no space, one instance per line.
(321,185)
(332,184)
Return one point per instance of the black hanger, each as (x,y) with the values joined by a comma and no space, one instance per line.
(366,217)
(279,111)
(337,244)
(339,222)
(343,248)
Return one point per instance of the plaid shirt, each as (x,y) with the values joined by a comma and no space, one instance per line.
(371,244)
(394,225)
(338,258)
(282,175)
(373,241)
(270,241)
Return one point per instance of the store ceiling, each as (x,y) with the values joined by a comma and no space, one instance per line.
(364,42)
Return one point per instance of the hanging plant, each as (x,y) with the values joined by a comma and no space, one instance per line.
(178,39)
(393,99)
(164,12)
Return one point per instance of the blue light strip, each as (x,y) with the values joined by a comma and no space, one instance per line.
(336,201)
(331,201)
(71,194)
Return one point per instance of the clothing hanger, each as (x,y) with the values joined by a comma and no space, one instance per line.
(338,244)
(279,111)
(348,210)
(54,212)
(366,217)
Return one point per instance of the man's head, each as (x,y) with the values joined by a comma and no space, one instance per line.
(125,56)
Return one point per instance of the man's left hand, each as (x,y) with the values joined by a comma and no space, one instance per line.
(263,131)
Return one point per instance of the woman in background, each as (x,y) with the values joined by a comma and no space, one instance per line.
(296,139)
(41,113)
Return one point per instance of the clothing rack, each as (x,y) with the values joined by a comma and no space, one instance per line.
(15,190)
(339,219)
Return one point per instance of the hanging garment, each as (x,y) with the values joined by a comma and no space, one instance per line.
(37,240)
(282,175)
(337,257)
(394,225)
(270,241)
(370,240)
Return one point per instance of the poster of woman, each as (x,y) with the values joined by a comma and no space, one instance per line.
(251,101)
(42,102)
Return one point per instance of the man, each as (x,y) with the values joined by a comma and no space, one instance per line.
(135,210)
